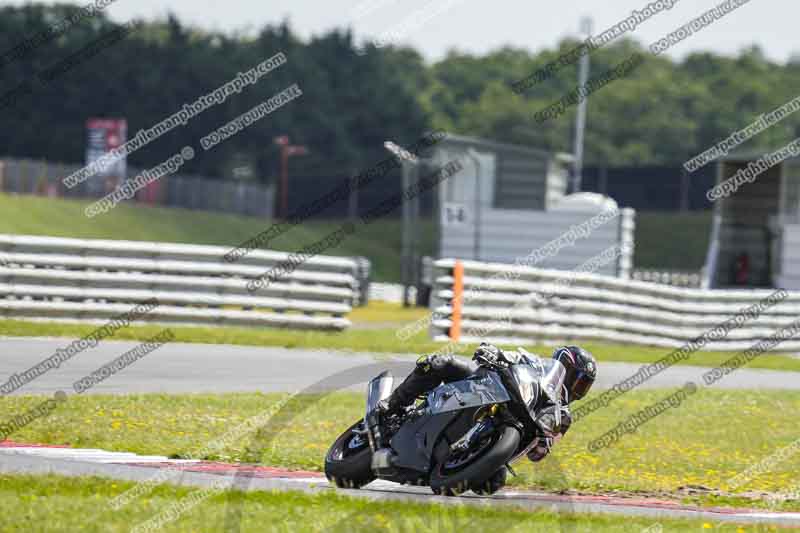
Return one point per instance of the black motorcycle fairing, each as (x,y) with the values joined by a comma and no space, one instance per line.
(456,401)
(414,442)
(482,388)
(425,441)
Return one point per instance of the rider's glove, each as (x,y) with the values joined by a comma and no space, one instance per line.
(553,431)
(487,353)
(554,424)
(541,449)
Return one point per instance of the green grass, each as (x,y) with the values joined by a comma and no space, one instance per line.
(34,215)
(55,504)
(706,441)
(391,314)
(676,241)
(375,330)
(663,240)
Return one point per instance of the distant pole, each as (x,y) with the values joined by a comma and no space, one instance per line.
(408,261)
(580,116)
(284,182)
(407,254)
(287,151)
(413,228)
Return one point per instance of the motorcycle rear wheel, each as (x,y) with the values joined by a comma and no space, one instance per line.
(348,463)
(478,469)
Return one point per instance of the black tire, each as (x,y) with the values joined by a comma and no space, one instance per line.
(496,482)
(479,469)
(349,467)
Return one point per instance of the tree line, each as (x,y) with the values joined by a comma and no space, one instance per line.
(356,96)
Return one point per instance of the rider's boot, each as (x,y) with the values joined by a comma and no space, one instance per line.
(429,372)
(376,421)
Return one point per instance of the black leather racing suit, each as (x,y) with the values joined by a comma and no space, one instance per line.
(432,370)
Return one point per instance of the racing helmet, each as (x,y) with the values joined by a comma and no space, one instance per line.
(581,369)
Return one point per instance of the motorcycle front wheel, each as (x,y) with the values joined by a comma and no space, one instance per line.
(348,463)
(458,473)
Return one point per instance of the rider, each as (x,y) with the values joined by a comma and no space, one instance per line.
(434,369)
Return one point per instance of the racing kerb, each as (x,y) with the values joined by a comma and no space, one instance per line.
(510,304)
(91,280)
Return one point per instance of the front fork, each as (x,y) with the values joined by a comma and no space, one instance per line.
(378,389)
(473,436)
(486,422)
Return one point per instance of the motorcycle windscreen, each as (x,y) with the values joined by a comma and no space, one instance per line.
(549,375)
(528,378)
(457,395)
(379,388)
(545,375)
(552,381)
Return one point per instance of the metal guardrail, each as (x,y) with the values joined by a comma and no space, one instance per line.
(555,306)
(90,279)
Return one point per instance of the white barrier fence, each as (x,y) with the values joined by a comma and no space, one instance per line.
(554,306)
(92,280)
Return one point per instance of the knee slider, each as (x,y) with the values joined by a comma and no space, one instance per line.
(438,362)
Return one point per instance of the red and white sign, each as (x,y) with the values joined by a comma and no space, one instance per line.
(104,135)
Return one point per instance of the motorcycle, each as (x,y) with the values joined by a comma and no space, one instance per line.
(462,435)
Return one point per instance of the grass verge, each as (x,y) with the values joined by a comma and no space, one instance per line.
(54,503)
(375,331)
(689,452)
(663,240)
(56,217)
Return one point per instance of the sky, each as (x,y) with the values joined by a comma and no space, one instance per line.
(435,26)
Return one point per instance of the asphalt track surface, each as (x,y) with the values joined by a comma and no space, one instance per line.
(184,368)
(68,462)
